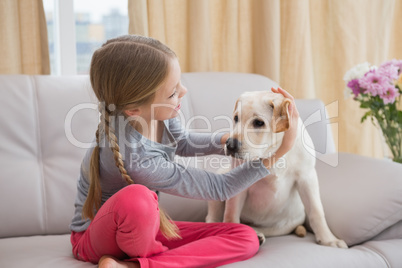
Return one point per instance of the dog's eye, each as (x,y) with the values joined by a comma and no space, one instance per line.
(236,118)
(258,123)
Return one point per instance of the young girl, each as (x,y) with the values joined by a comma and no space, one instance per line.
(117,222)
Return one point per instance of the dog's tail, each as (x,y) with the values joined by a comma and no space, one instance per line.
(300,231)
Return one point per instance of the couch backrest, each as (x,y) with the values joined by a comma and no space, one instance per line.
(39,165)
(47,122)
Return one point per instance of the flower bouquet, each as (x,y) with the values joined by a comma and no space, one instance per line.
(378,89)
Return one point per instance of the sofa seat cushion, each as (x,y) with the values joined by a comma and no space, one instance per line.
(390,250)
(55,251)
(39,251)
(293,251)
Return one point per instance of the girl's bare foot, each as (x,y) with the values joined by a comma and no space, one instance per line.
(111,262)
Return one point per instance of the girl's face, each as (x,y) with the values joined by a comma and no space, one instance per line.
(167,101)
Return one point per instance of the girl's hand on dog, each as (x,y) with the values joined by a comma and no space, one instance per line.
(290,135)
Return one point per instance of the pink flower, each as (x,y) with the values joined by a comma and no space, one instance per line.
(355,87)
(390,71)
(374,83)
(394,62)
(390,94)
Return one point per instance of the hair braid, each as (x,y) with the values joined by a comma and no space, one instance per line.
(114,146)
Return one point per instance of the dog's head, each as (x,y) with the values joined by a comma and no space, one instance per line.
(259,120)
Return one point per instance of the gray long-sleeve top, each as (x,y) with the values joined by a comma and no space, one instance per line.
(152,164)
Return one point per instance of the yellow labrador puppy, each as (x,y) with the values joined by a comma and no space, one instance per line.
(277,204)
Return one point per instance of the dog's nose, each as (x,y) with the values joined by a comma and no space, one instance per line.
(232,145)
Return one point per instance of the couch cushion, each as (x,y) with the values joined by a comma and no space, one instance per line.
(361,196)
(39,251)
(389,250)
(392,232)
(66,128)
(285,251)
(291,251)
(40,164)
(21,188)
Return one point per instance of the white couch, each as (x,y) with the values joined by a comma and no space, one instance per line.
(47,121)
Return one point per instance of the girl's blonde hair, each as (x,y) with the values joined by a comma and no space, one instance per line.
(125,72)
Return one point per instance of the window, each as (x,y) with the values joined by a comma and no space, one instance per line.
(82,26)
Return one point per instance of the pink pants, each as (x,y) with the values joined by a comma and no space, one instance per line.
(127,227)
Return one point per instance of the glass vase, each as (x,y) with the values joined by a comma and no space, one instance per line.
(391,142)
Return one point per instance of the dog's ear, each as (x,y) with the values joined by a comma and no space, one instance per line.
(235,108)
(280,116)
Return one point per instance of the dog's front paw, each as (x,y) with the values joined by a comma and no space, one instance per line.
(337,243)
(261,238)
